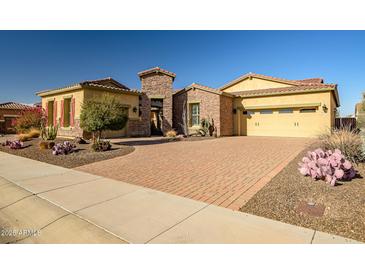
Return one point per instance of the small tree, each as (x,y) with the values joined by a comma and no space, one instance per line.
(105,114)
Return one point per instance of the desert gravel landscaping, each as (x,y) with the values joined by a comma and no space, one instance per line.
(82,156)
(283,198)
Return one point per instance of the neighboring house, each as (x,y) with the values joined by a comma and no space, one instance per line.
(252,105)
(9,111)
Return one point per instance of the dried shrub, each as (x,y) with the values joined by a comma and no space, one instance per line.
(24,137)
(43,145)
(347,141)
(171,134)
(34,133)
(327,165)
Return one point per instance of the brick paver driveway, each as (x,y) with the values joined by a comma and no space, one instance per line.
(224,171)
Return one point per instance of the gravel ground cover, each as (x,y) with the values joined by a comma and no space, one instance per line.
(283,197)
(82,156)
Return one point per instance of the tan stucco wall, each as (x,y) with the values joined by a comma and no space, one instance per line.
(130,100)
(254,83)
(127,99)
(77,94)
(279,124)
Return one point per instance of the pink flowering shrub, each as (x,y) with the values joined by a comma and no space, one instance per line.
(30,118)
(327,165)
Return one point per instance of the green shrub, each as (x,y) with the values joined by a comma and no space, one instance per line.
(101,145)
(106,114)
(347,141)
(360,121)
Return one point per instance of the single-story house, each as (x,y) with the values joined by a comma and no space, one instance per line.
(9,111)
(251,105)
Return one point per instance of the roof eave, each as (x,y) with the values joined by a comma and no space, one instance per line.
(289,93)
(59,90)
(245,76)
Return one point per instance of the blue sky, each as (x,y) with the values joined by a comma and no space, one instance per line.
(36,60)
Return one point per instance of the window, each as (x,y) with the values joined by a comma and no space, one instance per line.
(66,112)
(194,114)
(248,112)
(286,110)
(307,110)
(266,111)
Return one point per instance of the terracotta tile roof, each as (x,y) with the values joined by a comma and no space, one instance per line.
(309,81)
(199,86)
(13,105)
(282,90)
(156,70)
(204,88)
(105,83)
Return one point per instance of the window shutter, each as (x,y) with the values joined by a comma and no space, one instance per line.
(46,112)
(54,113)
(62,112)
(72,120)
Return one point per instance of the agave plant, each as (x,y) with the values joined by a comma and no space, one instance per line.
(49,133)
(327,165)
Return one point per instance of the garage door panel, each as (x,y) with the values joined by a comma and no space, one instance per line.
(295,124)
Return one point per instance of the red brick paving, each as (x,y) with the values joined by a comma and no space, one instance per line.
(225,171)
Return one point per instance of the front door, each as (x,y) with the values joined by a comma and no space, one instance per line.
(156,116)
(156,121)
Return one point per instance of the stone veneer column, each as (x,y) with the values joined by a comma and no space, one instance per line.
(158,84)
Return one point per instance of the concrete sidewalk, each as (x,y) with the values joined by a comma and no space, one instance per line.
(72,206)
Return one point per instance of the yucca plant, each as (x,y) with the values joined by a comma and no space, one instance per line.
(49,133)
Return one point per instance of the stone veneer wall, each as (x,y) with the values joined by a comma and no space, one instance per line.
(75,131)
(226,115)
(159,85)
(178,107)
(209,107)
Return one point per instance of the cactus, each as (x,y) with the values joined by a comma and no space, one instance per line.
(13,144)
(327,165)
(101,145)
